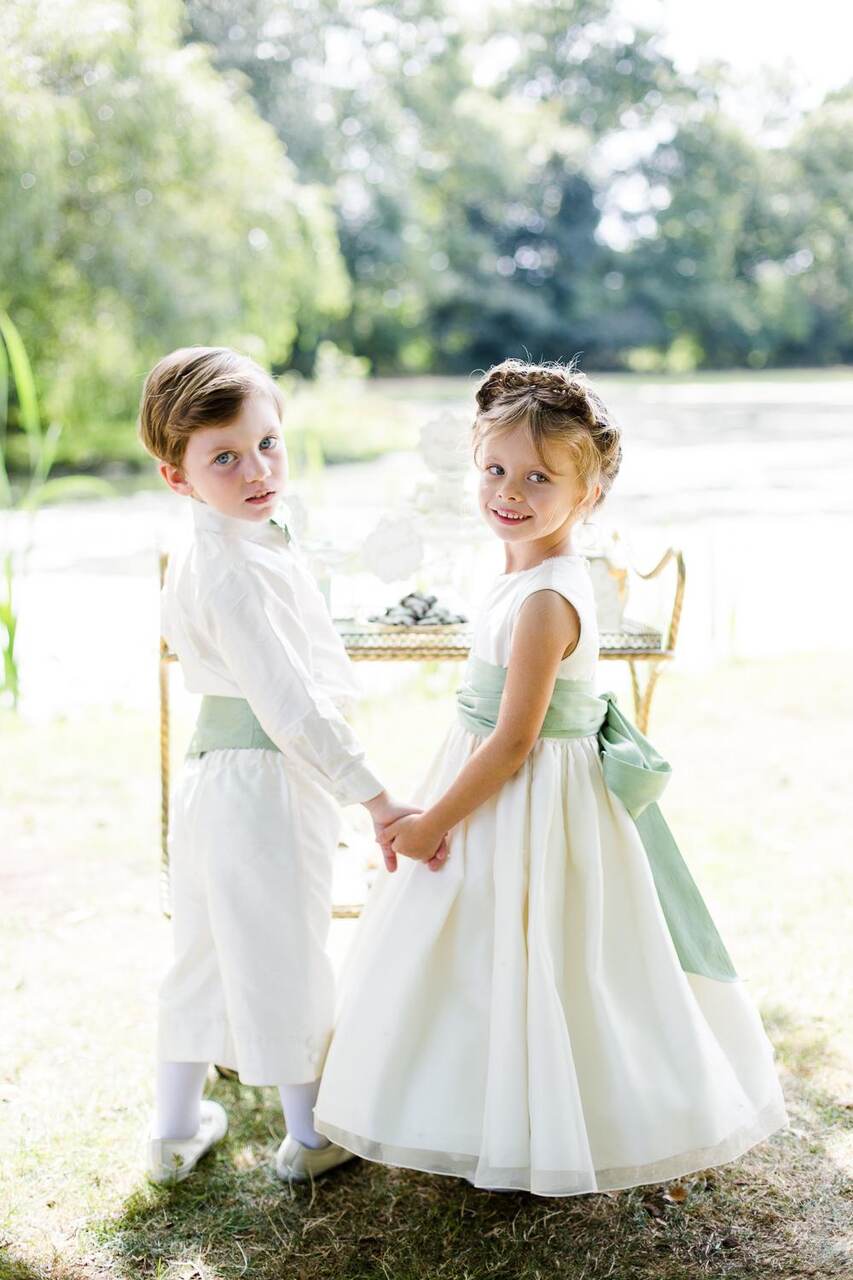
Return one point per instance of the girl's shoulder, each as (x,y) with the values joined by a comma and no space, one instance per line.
(569,575)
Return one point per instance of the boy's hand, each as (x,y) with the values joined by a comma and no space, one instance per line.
(385,812)
(414,836)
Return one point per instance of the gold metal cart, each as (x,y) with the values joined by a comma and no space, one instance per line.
(644,648)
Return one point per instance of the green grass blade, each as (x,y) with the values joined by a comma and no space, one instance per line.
(25,385)
(315,459)
(9,624)
(4,395)
(65,489)
(5,487)
(46,455)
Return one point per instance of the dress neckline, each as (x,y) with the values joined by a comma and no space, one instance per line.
(512,573)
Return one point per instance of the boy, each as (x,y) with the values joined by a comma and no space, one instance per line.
(255,818)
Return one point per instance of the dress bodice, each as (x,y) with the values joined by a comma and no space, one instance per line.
(568,575)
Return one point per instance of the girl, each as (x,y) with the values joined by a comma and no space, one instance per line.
(554,1011)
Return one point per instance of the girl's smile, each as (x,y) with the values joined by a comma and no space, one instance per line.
(508,517)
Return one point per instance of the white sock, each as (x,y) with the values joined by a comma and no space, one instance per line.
(179,1089)
(297,1101)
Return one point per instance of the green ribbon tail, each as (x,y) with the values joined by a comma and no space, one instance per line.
(699,947)
(636,773)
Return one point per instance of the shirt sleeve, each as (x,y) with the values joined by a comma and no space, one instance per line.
(259,640)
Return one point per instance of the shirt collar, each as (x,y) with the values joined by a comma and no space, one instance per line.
(210,520)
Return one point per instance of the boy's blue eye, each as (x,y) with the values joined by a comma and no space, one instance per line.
(222,458)
(269,442)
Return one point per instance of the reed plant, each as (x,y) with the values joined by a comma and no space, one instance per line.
(21,497)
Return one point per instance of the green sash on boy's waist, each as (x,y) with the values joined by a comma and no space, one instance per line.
(634,772)
(227,723)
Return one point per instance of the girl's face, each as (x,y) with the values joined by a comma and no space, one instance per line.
(521,498)
(239,469)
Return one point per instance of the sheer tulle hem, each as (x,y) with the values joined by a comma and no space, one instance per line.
(544,1182)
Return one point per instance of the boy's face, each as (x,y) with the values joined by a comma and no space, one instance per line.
(239,468)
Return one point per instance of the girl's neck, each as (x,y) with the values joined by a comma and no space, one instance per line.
(527,555)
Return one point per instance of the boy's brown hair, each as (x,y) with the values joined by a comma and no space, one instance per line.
(196,387)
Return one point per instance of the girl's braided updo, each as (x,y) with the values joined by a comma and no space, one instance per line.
(557,406)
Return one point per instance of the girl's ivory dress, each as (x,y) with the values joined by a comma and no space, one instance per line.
(553,1011)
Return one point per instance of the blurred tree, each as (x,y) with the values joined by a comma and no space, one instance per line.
(429,184)
(743,247)
(146,206)
(457,144)
(817,275)
(710,223)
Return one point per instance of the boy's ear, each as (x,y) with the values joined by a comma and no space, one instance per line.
(175,479)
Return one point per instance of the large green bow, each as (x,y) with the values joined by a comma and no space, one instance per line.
(634,772)
(633,769)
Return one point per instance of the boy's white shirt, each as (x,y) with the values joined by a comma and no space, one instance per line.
(247,620)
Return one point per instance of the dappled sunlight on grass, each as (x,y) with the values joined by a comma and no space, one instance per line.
(773,1213)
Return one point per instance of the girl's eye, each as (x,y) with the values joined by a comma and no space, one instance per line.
(269,442)
(221,459)
(539,477)
(495,469)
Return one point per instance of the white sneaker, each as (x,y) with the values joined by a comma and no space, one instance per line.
(297,1163)
(173,1159)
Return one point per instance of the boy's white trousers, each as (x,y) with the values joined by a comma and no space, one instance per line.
(251,844)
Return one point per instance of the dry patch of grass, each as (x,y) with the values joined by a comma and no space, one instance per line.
(778,1212)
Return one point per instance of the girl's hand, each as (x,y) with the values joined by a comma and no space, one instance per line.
(384,811)
(416,837)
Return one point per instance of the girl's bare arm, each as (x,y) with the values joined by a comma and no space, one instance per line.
(546,629)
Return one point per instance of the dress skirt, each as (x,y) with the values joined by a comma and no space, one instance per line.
(521,1018)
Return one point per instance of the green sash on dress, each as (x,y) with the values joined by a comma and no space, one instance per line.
(634,772)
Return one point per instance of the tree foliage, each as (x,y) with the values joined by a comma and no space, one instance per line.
(429,185)
(471,154)
(146,205)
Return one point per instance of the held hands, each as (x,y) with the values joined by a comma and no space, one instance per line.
(388,818)
(385,813)
(414,836)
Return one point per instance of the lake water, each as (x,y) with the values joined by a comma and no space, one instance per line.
(751,478)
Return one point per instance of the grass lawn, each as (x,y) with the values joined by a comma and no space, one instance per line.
(759,800)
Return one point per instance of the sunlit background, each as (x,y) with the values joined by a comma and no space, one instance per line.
(377,200)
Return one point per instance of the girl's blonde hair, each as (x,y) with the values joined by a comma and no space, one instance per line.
(557,406)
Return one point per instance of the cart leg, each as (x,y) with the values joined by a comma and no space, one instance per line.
(164,787)
(643,696)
